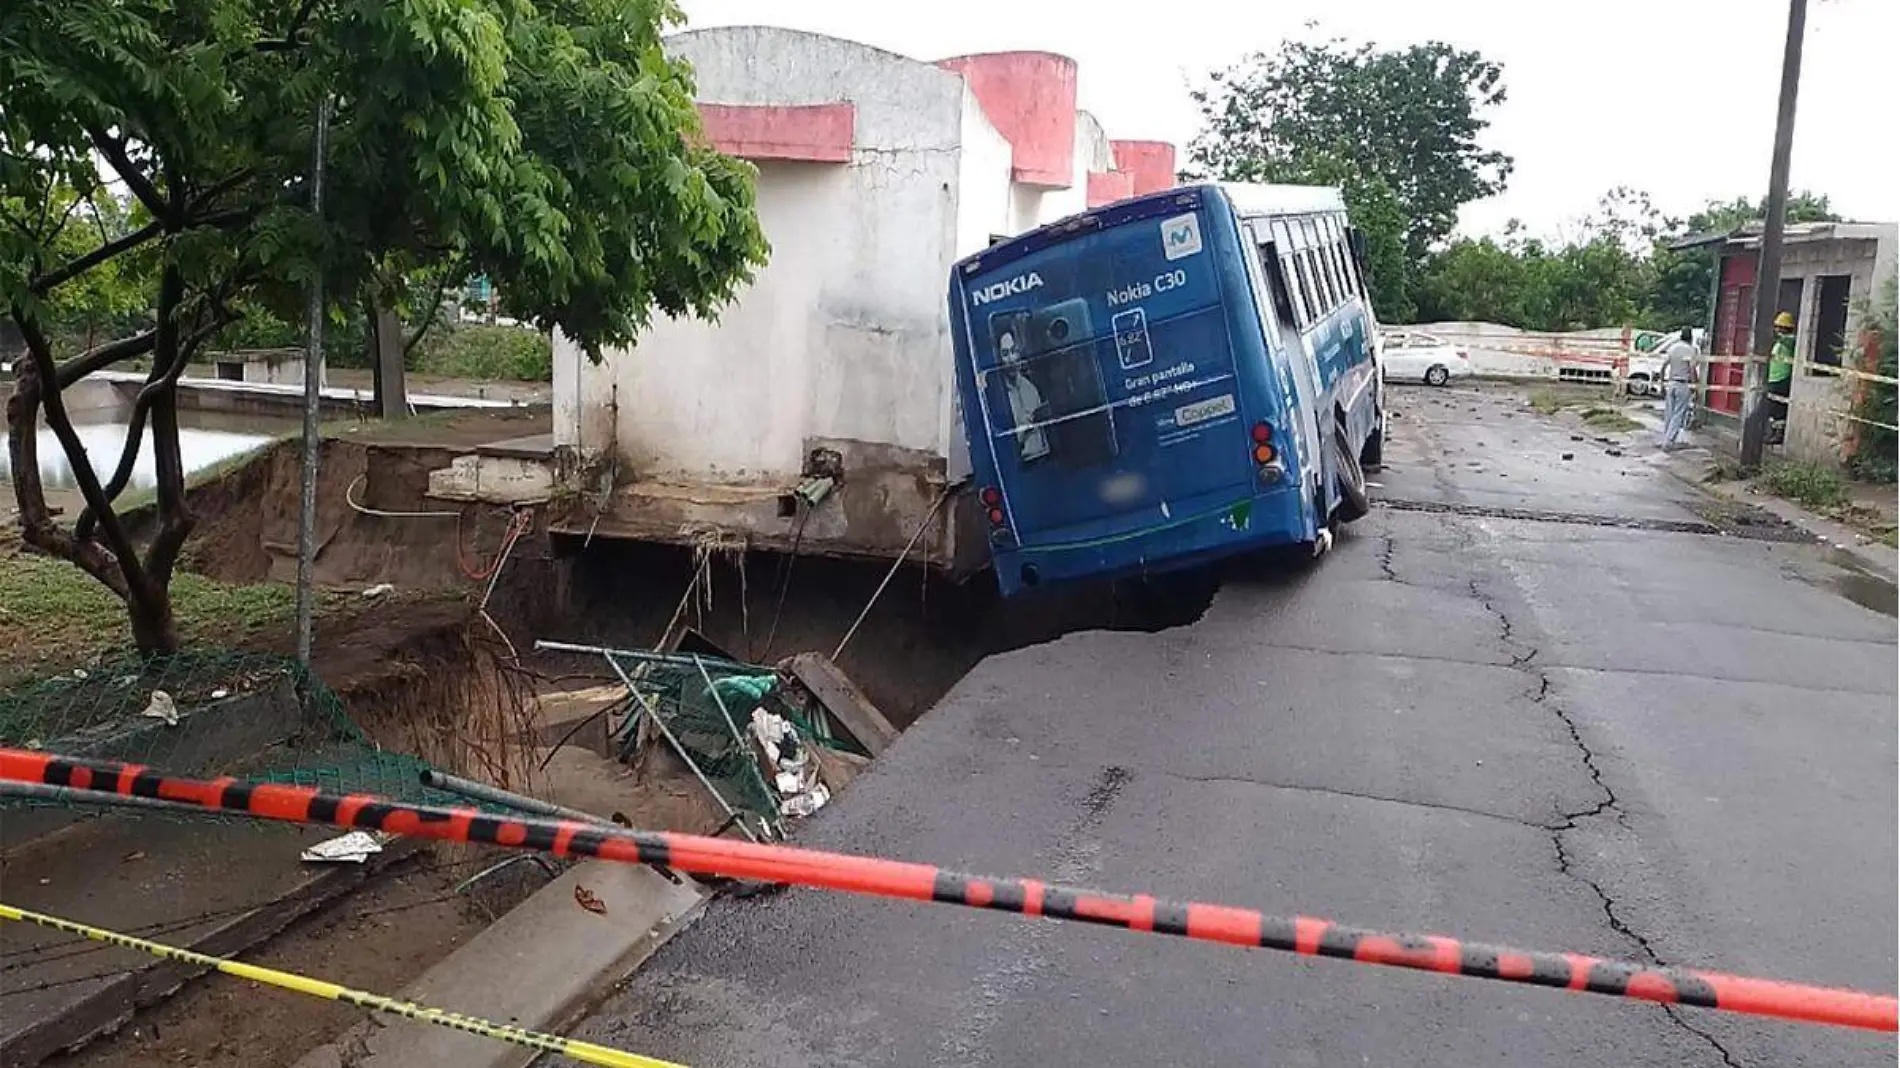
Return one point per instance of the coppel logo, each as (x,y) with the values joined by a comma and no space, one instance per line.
(1022,283)
(1181,236)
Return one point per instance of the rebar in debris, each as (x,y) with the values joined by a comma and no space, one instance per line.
(904,880)
(455,784)
(678,747)
(39,791)
(584,1052)
(683,660)
(896,565)
(744,750)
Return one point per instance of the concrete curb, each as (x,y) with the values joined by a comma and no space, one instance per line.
(543,966)
(1868,554)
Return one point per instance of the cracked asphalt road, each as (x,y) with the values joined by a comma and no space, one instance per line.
(1619,740)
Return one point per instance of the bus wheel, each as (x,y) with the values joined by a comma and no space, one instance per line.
(1372,457)
(1353,502)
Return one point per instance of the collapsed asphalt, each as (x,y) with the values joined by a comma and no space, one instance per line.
(1623,739)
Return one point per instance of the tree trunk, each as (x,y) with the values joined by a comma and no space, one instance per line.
(154,631)
(99,544)
(392,395)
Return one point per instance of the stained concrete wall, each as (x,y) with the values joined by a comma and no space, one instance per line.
(1816,431)
(1030,98)
(842,341)
(1506,351)
(1149,163)
(842,335)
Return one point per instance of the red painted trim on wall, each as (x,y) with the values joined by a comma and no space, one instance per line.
(1106,187)
(1030,98)
(1151,163)
(815,133)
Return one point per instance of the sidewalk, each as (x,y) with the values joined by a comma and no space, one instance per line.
(1704,451)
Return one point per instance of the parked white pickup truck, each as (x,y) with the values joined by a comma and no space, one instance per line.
(1645,370)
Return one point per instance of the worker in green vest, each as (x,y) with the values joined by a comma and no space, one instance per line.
(1780,374)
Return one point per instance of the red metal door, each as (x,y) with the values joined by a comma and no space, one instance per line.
(1734,312)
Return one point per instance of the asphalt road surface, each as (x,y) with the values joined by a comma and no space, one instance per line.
(1523,702)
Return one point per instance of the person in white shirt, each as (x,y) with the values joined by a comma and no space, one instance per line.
(1679,378)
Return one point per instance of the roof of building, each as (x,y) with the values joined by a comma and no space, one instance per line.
(1796,233)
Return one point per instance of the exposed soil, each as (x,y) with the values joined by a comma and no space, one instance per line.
(378,939)
(374,523)
(425,671)
(920,636)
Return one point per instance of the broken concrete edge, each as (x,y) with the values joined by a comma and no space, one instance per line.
(1867,552)
(835,691)
(114,1005)
(543,966)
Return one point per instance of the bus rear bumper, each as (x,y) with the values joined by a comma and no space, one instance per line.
(1268,520)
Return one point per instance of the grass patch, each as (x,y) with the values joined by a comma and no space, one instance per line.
(1549,402)
(1609,420)
(54,617)
(1809,485)
(1826,492)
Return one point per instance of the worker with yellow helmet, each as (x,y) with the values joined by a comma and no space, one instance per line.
(1780,373)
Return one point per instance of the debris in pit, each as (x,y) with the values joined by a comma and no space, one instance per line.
(794,769)
(589,900)
(701,708)
(162,707)
(352,848)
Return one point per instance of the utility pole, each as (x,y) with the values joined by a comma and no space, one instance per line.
(1756,409)
(312,404)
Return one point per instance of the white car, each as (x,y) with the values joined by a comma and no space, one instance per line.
(1411,356)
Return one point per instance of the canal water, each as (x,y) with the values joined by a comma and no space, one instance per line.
(205,439)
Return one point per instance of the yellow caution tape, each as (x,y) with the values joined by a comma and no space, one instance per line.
(585,1052)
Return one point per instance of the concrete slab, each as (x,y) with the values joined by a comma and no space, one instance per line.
(529,447)
(842,698)
(543,966)
(146,875)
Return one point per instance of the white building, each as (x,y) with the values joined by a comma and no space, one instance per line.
(876,173)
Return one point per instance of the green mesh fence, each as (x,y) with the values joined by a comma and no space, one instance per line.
(204,713)
(706,706)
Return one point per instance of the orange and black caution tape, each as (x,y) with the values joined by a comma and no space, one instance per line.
(923,882)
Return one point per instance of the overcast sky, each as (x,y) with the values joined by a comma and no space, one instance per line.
(1676,97)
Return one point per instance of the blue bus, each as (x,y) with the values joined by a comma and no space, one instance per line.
(1167,381)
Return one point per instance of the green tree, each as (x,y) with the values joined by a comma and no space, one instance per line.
(1685,280)
(553,147)
(1601,276)
(1405,122)
(1473,281)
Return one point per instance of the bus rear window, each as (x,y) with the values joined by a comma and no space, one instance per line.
(1046,396)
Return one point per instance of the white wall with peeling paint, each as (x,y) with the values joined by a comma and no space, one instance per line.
(844,334)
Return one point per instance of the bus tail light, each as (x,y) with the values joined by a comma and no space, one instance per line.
(1265,457)
(992,499)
